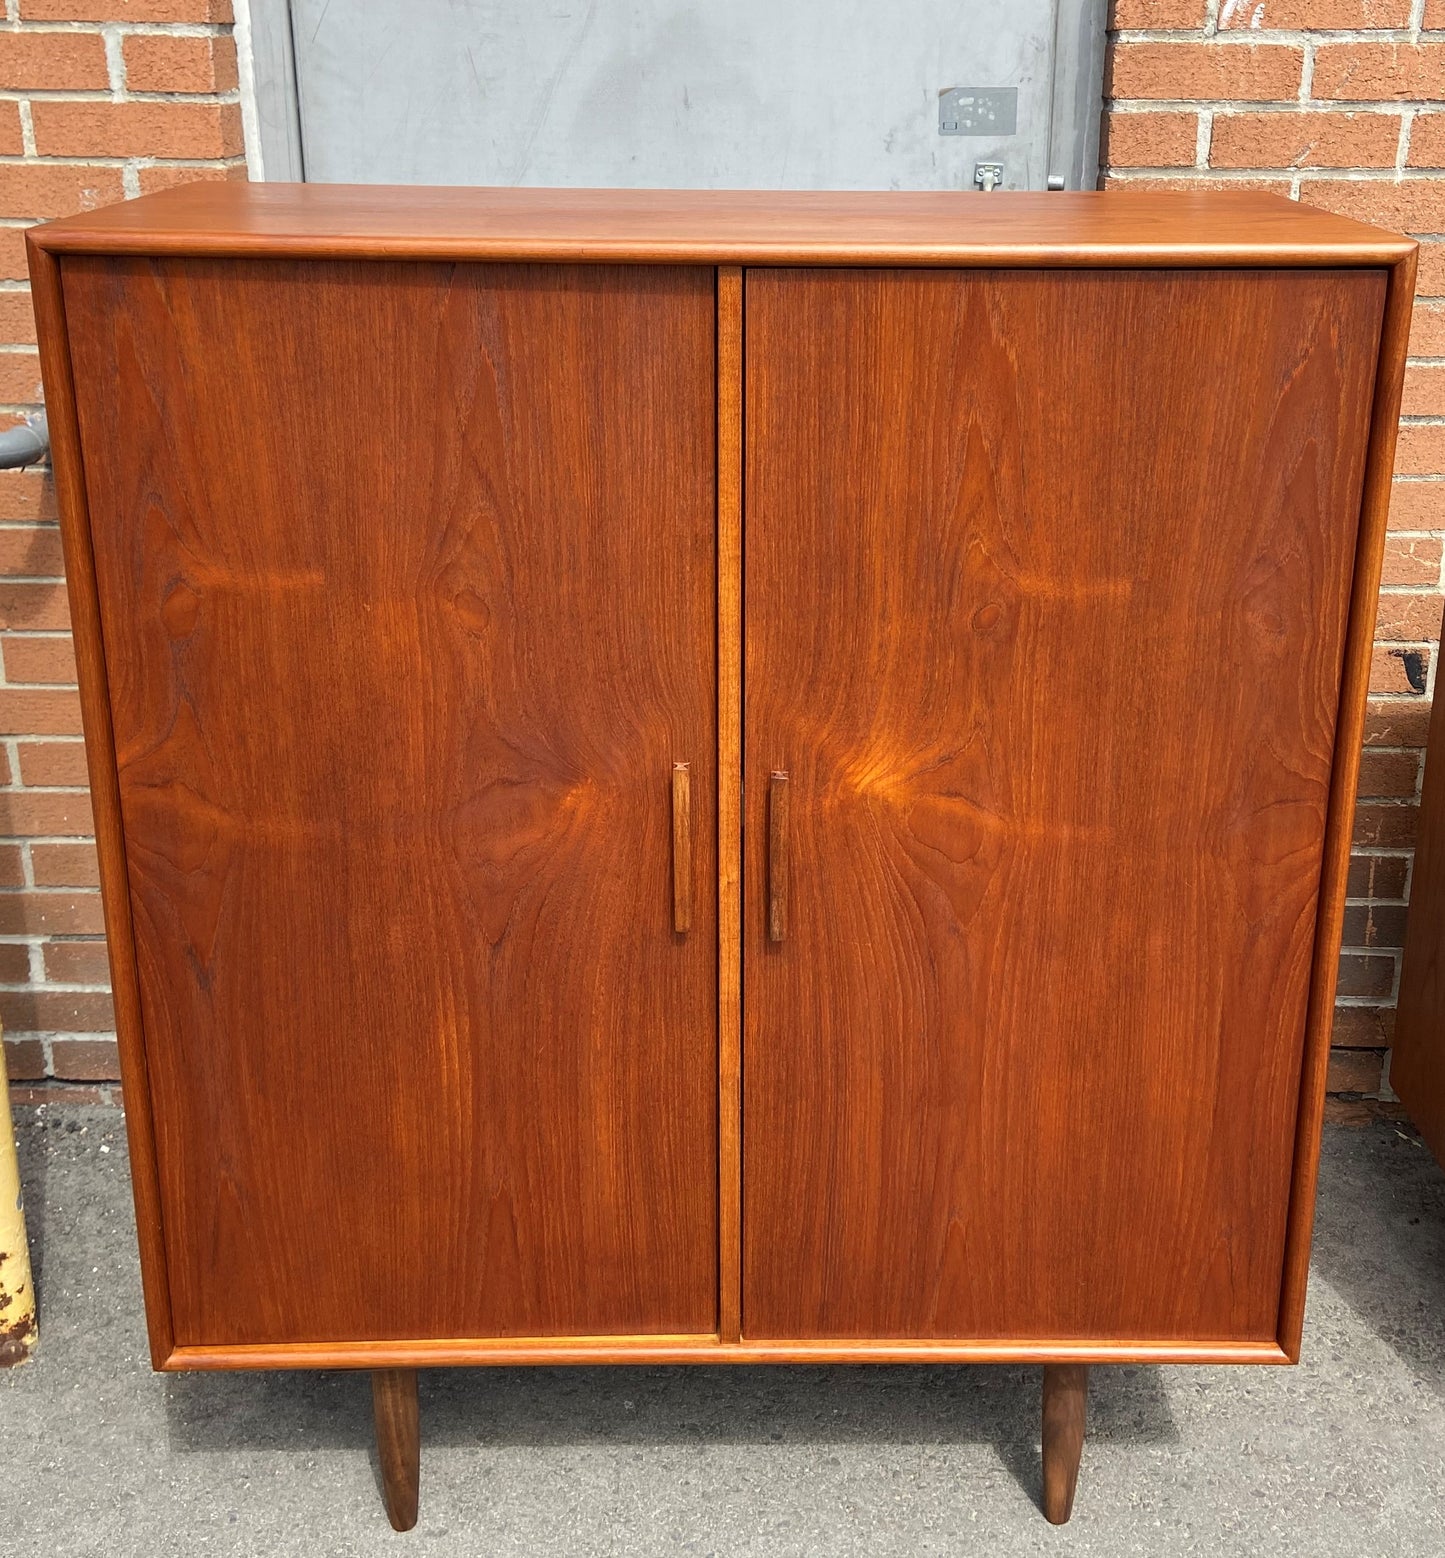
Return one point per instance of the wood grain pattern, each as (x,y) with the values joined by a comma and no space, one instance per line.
(729,794)
(67,462)
(729,227)
(1049,637)
(1065,1416)
(426,1058)
(396,1415)
(1339,829)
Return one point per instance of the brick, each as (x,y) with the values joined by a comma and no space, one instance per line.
(1361,1111)
(1403,671)
(41,713)
(12,868)
(1410,560)
(24,1058)
(1366,974)
(1304,140)
(65,1094)
(49,661)
(1434,13)
(1408,618)
(167,176)
(126,11)
(12,141)
(1430,277)
(1388,826)
(1350,1071)
(33,552)
(1385,775)
(7,774)
(17,317)
(1375,925)
(1393,722)
(20,379)
(1427,329)
(37,606)
(1420,449)
(1417,505)
(1424,391)
(1414,206)
(1205,72)
(1363,1027)
(56,189)
(51,914)
(53,763)
(32,813)
(1379,72)
(91,1060)
(160,64)
(14,963)
(77,962)
(1157,13)
(91,129)
(1145,140)
(1335,15)
(53,61)
(28,495)
(1427,141)
(1264,183)
(65,865)
(57,1011)
(1377,876)
(13,265)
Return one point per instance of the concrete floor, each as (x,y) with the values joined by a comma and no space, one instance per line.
(1343,1455)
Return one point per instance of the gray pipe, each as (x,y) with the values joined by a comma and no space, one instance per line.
(25,445)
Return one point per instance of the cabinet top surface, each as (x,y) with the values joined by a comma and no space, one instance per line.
(1115,227)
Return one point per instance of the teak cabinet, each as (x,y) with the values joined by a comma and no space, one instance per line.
(695,777)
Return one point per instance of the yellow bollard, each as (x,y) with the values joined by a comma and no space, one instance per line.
(17,1291)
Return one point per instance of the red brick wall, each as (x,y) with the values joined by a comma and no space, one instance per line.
(99,100)
(1339,102)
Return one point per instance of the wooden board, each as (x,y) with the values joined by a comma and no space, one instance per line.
(1047,583)
(730,227)
(406,584)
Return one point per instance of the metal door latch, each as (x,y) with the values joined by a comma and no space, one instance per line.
(988,176)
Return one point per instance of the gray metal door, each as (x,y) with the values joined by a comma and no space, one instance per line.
(735,94)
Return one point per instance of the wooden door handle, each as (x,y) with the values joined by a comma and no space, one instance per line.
(681,848)
(777,856)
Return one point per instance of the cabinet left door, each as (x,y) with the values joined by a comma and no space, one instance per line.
(406,584)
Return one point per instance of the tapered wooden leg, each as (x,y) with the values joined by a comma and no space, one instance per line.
(1066,1394)
(398,1442)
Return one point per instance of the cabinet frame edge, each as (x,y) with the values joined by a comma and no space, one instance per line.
(1344,783)
(68,464)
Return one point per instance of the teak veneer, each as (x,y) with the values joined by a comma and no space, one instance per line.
(721,777)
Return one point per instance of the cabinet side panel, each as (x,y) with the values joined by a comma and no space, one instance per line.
(1417,1063)
(1047,580)
(406,577)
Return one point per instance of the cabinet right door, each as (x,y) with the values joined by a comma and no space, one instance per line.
(1047,578)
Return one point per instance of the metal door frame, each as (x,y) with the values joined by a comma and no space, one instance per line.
(277,149)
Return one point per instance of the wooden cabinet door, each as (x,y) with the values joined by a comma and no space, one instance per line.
(406,576)
(1047,578)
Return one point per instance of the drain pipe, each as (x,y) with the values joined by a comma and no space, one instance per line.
(25,445)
